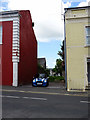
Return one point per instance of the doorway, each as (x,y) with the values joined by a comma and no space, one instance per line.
(88,69)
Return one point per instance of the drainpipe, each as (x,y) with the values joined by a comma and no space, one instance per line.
(65,54)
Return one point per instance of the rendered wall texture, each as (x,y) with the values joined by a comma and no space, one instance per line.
(77,52)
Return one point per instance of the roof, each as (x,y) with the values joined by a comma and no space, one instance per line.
(9,12)
(41,59)
(73,8)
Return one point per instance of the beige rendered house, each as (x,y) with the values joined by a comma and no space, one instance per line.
(77,32)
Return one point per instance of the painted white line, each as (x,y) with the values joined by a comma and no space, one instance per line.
(12,96)
(37,98)
(33,98)
(85,102)
(53,87)
(9,96)
(25,97)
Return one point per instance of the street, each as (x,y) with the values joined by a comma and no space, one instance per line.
(41,102)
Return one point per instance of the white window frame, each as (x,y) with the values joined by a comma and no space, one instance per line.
(87,35)
(0,34)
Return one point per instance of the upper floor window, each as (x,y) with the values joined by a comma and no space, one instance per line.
(0,34)
(87,35)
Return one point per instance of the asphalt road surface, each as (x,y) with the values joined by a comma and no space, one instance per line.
(43,103)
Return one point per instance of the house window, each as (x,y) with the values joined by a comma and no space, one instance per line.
(87,35)
(0,34)
(88,59)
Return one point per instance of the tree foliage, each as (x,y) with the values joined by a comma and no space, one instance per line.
(43,70)
(61,53)
(60,67)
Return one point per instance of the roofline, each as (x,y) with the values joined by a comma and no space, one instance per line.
(9,12)
(73,8)
(41,58)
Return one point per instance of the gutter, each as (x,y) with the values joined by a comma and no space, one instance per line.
(65,54)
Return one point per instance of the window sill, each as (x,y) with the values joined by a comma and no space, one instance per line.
(86,45)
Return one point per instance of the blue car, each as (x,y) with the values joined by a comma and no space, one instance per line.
(40,80)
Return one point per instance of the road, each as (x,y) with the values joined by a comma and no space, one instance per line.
(43,103)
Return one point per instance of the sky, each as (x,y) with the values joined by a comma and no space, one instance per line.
(47,16)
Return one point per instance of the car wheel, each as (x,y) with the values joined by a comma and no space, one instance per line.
(33,85)
(47,84)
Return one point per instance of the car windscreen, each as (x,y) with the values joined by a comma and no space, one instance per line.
(42,75)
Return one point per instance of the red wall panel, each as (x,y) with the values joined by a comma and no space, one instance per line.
(1,61)
(7,65)
(28,49)
(0,64)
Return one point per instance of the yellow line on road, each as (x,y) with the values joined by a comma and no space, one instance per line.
(48,93)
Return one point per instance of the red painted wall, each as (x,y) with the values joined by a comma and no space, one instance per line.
(28,49)
(0,64)
(7,65)
(0,60)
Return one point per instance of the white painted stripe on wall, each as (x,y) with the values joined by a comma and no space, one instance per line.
(8,18)
(15,47)
(15,50)
(15,74)
(16,60)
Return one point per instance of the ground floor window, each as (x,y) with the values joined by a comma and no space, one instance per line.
(87,35)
